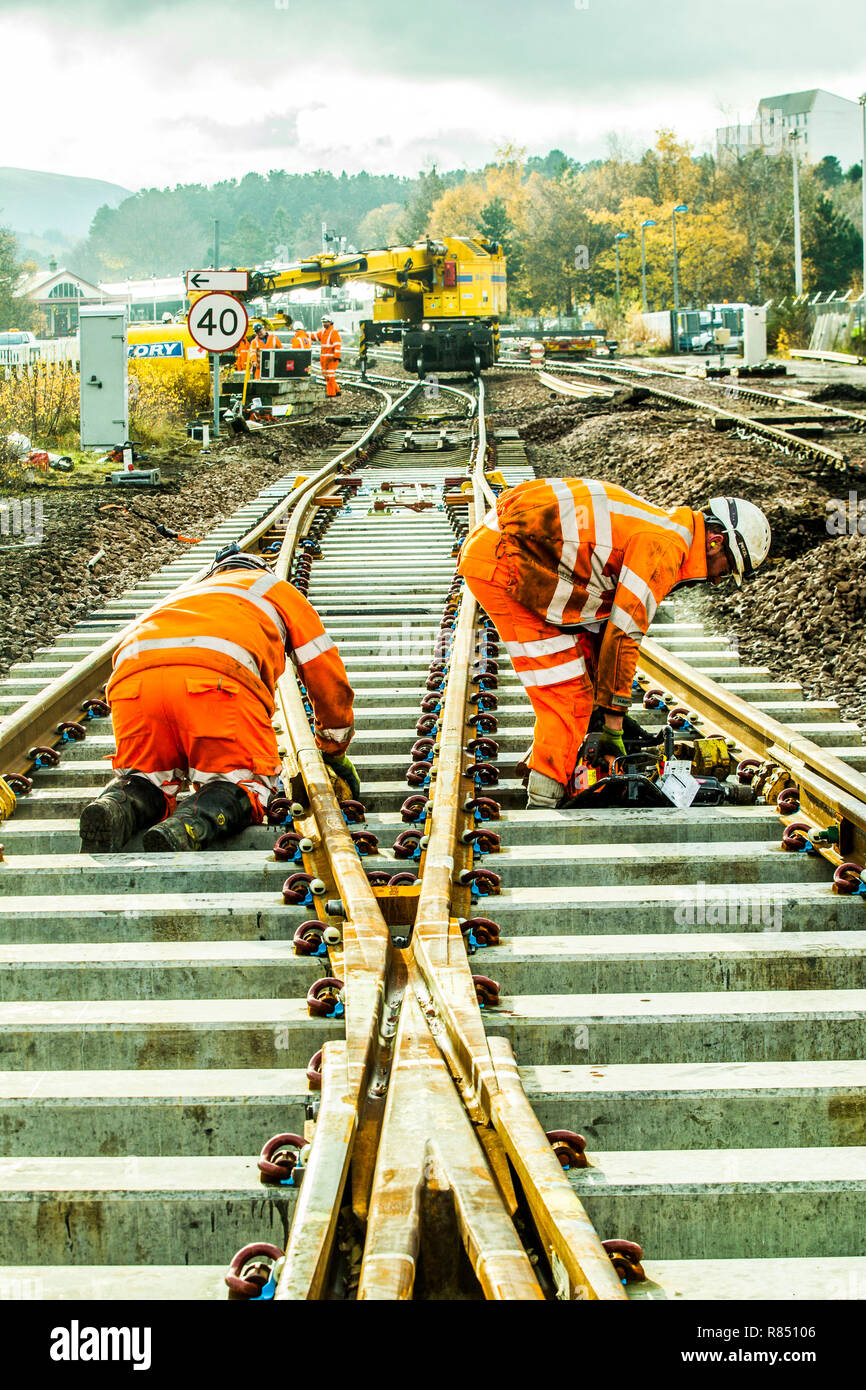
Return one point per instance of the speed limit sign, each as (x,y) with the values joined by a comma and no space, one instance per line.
(217,322)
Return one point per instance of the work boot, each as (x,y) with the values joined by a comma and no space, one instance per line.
(543,791)
(220,809)
(127,805)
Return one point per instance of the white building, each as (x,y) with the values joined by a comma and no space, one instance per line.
(58,294)
(825,125)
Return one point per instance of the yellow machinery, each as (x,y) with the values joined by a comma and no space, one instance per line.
(441,299)
(163,342)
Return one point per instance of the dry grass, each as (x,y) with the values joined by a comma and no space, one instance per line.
(162,398)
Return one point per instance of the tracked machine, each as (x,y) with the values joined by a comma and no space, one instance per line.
(441,299)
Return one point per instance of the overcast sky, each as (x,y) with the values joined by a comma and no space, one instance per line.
(148,93)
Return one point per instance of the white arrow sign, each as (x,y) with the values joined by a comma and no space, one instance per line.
(234,281)
(217,322)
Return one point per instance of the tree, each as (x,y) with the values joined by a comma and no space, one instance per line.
(416,222)
(247,242)
(834,247)
(828,171)
(382,226)
(15,310)
(280,235)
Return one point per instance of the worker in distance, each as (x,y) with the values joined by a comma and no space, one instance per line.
(571,572)
(192,699)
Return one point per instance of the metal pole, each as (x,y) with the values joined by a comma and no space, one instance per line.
(798,249)
(676,332)
(863,187)
(215,360)
(616,249)
(643,268)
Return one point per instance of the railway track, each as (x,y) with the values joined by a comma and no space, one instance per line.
(672,985)
(732,405)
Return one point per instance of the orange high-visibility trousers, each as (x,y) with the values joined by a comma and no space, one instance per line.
(549,662)
(173,723)
(329,367)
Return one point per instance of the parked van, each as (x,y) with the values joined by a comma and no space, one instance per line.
(15,337)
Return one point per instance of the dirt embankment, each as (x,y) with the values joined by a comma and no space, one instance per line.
(47,586)
(803,613)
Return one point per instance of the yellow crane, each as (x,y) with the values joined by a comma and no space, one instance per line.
(441,299)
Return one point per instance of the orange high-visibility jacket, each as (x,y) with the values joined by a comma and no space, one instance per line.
(242,355)
(301,338)
(243,623)
(331,342)
(256,345)
(582,552)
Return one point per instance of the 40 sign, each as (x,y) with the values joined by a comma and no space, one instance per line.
(217,322)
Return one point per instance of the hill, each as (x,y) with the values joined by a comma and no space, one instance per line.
(34,203)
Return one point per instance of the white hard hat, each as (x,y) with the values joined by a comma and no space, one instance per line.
(327,318)
(747,533)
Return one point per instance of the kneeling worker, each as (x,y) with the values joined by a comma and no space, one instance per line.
(560,561)
(192,696)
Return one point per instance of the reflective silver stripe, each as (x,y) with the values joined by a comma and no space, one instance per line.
(623,509)
(554,675)
(337,735)
(570,540)
(625,622)
(545,646)
(491,521)
(208,644)
(599,586)
(251,595)
(310,650)
(640,589)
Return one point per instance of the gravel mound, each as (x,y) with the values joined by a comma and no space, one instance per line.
(805,618)
(673,460)
(839,391)
(47,587)
(796,617)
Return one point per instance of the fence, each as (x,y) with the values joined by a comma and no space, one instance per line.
(27,371)
(53,350)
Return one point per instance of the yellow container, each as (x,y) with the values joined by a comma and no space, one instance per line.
(162,342)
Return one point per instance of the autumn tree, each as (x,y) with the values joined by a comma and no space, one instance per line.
(15,311)
(382,226)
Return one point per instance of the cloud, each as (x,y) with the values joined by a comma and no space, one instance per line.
(150,92)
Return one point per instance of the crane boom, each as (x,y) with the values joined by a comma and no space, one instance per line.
(441,299)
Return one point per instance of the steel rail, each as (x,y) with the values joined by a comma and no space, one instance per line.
(771,432)
(834,786)
(736,387)
(384,1029)
(434,1147)
(487,1077)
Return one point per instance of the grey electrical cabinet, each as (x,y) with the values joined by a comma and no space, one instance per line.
(104,394)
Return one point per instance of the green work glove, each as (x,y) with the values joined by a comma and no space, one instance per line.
(610,744)
(345,770)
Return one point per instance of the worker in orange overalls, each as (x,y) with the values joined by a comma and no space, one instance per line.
(301,337)
(571,572)
(332,346)
(262,338)
(242,355)
(192,697)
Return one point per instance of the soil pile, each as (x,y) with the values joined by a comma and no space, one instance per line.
(802,615)
(47,587)
(806,617)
